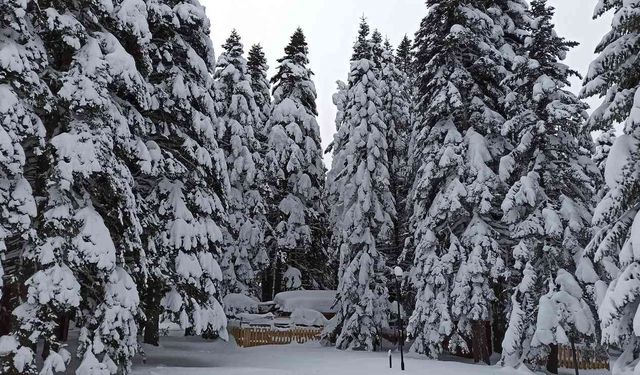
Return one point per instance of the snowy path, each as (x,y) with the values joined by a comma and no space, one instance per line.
(193,356)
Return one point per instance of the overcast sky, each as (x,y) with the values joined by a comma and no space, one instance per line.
(331,26)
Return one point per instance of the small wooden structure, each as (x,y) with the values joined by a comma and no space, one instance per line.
(247,337)
(587,359)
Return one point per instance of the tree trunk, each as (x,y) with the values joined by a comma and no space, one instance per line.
(152,297)
(575,357)
(152,327)
(480,342)
(552,361)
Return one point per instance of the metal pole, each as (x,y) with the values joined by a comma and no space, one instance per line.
(400,325)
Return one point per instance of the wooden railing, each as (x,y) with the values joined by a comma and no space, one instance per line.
(587,359)
(247,337)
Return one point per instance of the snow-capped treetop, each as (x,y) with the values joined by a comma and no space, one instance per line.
(404,56)
(362,46)
(293,77)
(257,68)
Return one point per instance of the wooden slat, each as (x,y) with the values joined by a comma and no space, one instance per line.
(250,336)
(587,360)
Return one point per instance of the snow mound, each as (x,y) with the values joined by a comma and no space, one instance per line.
(318,300)
(308,317)
(236,303)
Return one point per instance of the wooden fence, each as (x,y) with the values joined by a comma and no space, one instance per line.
(588,359)
(253,336)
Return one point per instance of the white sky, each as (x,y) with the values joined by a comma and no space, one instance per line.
(331,26)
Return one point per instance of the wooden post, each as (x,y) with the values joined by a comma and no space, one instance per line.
(552,360)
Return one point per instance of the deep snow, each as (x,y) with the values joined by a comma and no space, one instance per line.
(194,356)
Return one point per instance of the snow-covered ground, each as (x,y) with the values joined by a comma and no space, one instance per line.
(194,356)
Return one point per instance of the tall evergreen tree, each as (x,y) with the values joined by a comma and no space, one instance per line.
(395,92)
(257,68)
(614,248)
(187,197)
(404,56)
(298,172)
(364,208)
(239,119)
(88,242)
(456,189)
(24,99)
(548,208)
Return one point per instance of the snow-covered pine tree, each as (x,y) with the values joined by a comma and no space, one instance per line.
(88,239)
(395,92)
(364,210)
(261,86)
(257,68)
(456,190)
(404,56)
(331,187)
(24,98)
(548,207)
(614,249)
(190,191)
(295,157)
(245,252)
(377,48)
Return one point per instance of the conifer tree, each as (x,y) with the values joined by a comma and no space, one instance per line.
(613,249)
(404,56)
(24,99)
(88,236)
(257,68)
(245,253)
(364,207)
(456,189)
(548,207)
(295,157)
(332,193)
(187,196)
(395,92)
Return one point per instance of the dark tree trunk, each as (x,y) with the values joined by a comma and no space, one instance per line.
(276,278)
(61,335)
(575,357)
(152,327)
(552,361)
(480,342)
(152,310)
(7,304)
(267,284)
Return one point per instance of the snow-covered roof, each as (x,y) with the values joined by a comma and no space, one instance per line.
(318,300)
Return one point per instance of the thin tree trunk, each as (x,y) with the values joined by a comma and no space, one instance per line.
(267,286)
(480,343)
(575,356)
(552,361)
